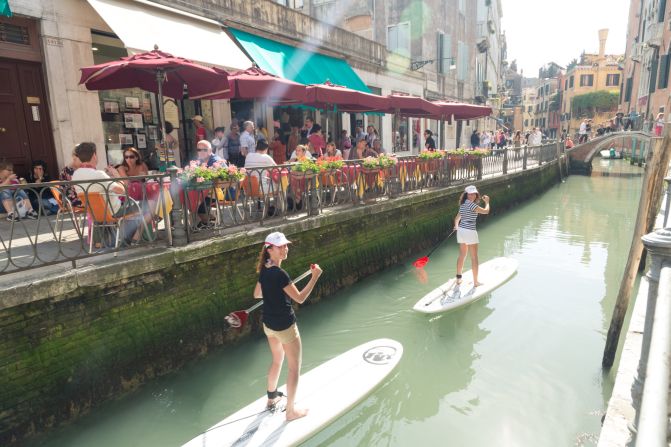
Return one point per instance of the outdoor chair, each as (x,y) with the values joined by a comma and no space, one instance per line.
(65,207)
(102,216)
(226,200)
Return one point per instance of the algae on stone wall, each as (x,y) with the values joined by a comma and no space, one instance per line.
(65,353)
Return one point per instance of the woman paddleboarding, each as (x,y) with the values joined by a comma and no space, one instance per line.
(279,321)
(467,235)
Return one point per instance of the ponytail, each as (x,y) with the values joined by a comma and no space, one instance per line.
(264,256)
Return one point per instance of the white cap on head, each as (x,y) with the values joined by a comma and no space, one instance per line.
(198,118)
(471,189)
(277,239)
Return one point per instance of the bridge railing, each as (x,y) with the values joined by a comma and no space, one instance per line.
(77,220)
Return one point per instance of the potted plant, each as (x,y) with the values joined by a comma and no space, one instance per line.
(429,161)
(370,165)
(331,167)
(227,176)
(305,168)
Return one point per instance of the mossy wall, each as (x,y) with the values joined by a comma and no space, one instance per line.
(71,342)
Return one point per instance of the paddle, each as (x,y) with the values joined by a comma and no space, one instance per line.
(421,262)
(238,318)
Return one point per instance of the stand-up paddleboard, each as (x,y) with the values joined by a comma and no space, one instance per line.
(451,295)
(327,391)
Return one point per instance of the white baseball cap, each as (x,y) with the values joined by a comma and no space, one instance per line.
(471,189)
(277,239)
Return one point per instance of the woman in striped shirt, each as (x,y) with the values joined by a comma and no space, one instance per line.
(464,225)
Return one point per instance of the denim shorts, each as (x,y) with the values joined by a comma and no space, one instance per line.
(8,194)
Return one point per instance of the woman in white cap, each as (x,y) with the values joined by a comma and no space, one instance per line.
(279,320)
(464,225)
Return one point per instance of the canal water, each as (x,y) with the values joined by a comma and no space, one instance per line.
(520,367)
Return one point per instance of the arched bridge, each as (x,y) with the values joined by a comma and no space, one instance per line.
(633,143)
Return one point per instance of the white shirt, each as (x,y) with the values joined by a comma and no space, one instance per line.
(103,185)
(220,147)
(256,160)
(583,128)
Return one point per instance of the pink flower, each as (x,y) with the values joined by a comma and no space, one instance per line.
(242,171)
(194,163)
(200,180)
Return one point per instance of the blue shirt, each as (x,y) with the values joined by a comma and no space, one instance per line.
(468,215)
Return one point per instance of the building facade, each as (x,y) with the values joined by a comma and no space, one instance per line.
(393,47)
(593,73)
(647,62)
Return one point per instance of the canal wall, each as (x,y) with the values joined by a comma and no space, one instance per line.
(73,341)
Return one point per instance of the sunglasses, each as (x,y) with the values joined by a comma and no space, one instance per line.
(129,157)
(202,150)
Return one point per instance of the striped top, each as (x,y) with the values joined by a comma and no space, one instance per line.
(468,215)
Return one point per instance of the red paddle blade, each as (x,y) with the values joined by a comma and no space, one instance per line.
(237,319)
(421,262)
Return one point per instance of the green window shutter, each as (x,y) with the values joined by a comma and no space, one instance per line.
(664,71)
(653,75)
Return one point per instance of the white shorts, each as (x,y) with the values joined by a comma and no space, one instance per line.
(468,237)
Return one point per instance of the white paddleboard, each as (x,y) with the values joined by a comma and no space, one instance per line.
(451,295)
(328,391)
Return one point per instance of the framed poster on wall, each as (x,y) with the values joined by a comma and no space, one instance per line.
(133,120)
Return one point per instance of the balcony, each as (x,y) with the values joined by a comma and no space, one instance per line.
(654,33)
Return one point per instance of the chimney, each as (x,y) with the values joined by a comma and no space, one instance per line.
(603,36)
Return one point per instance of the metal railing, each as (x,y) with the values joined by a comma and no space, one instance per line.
(652,426)
(78,220)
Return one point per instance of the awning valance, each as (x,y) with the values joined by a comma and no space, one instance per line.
(141,24)
(298,64)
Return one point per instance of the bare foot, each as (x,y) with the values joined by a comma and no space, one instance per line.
(297,413)
(477,284)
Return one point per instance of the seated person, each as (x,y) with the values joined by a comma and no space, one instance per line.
(207,158)
(332,151)
(301,153)
(377,147)
(66,176)
(260,159)
(101,182)
(13,201)
(41,195)
(132,164)
(362,151)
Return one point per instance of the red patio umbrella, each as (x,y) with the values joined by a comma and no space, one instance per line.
(415,106)
(255,83)
(158,72)
(462,111)
(329,96)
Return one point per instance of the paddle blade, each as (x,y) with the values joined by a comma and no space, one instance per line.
(237,319)
(421,262)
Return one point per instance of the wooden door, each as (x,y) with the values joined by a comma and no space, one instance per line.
(25,129)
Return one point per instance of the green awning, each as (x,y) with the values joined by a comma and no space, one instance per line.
(4,8)
(298,64)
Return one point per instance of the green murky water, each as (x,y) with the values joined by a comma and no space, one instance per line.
(520,367)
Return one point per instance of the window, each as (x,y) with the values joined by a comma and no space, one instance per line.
(586,80)
(462,6)
(653,74)
(14,34)
(570,81)
(661,11)
(664,63)
(444,52)
(530,109)
(462,65)
(566,84)
(627,89)
(547,88)
(612,80)
(526,123)
(398,38)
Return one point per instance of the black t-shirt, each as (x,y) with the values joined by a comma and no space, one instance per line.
(278,314)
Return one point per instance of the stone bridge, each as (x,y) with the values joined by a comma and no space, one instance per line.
(632,143)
